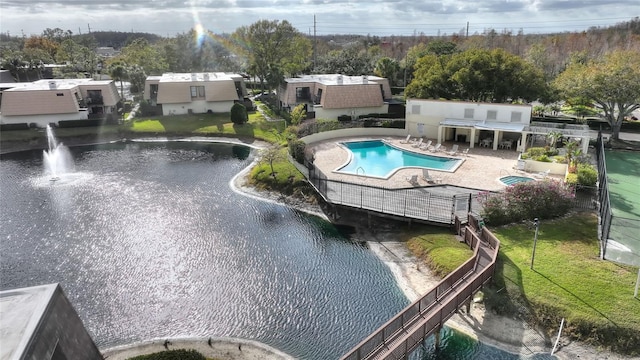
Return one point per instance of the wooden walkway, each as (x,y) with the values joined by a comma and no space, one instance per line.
(397,338)
(435,204)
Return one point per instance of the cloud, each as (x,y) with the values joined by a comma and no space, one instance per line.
(376,17)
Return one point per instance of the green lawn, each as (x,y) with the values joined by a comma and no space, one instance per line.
(568,280)
(439,248)
(211,125)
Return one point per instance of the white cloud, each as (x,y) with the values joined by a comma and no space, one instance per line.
(375,17)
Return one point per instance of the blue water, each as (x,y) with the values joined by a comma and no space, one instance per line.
(513,179)
(378,159)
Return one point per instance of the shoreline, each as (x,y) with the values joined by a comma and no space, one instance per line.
(212,347)
(413,278)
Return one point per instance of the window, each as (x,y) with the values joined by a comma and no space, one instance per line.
(197,92)
(468,113)
(516,116)
(492,114)
(382,91)
(303,94)
(59,94)
(415,109)
(319,97)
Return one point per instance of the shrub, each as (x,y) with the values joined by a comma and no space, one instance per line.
(572,179)
(239,114)
(296,150)
(526,200)
(344,118)
(587,175)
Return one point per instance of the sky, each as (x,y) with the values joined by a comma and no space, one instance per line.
(361,17)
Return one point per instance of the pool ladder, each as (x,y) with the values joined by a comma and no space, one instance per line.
(358,170)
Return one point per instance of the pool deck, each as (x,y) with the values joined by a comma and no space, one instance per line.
(481,169)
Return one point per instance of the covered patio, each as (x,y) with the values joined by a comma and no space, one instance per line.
(507,136)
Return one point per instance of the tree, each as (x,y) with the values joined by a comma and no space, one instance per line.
(239,114)
(349,61)
(271,48)
(477,75)
(118,72)
(298,114)
(140,52)
(271,155)
(612,83)
(387,68)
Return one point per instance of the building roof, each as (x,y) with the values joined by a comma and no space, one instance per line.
(192,77)
(334,79)
(21,311)
(485,125)
(46,84)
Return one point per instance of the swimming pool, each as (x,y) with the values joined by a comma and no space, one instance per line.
(377,158)
(513,179)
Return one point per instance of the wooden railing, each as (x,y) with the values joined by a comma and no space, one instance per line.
(407,330)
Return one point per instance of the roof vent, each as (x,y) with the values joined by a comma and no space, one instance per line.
(194,77)
(52,85)
(206,76)
(365,79)
(339,79)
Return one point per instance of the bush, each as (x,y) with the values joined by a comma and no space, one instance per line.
(572,179)
(344,118)
(180,354)
(544,154)
(296,150)
(526,200)
(239,114)
(587,175)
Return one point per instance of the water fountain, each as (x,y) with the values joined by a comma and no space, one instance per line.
(57,160)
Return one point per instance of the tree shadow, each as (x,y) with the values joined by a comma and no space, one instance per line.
(575,296)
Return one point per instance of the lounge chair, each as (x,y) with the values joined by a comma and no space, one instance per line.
(542,174)
(465,152)
(425,146)
(417,144)
(427,177)
(406,141)
(413,179)
(454,150)
(435,148)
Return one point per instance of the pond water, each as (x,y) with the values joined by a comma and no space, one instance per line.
(148,241)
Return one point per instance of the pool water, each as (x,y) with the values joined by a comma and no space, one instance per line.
(378,159)
(514,179)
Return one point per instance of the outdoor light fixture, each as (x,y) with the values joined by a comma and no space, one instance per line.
(536,223)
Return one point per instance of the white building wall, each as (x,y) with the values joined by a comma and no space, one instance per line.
(431,112)
(43,120)
(322,113)
(197,107)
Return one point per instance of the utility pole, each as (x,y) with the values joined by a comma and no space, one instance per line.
(536,223)
(467,29)
(89,27)
(315,43)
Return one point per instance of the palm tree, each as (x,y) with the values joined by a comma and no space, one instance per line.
(118,72)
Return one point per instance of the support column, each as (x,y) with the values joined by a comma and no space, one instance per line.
(438,338)
(472,141)
(439,141)
(496,135)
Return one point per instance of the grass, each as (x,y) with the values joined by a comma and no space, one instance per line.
(568,281)
(211,125)
(439,248)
